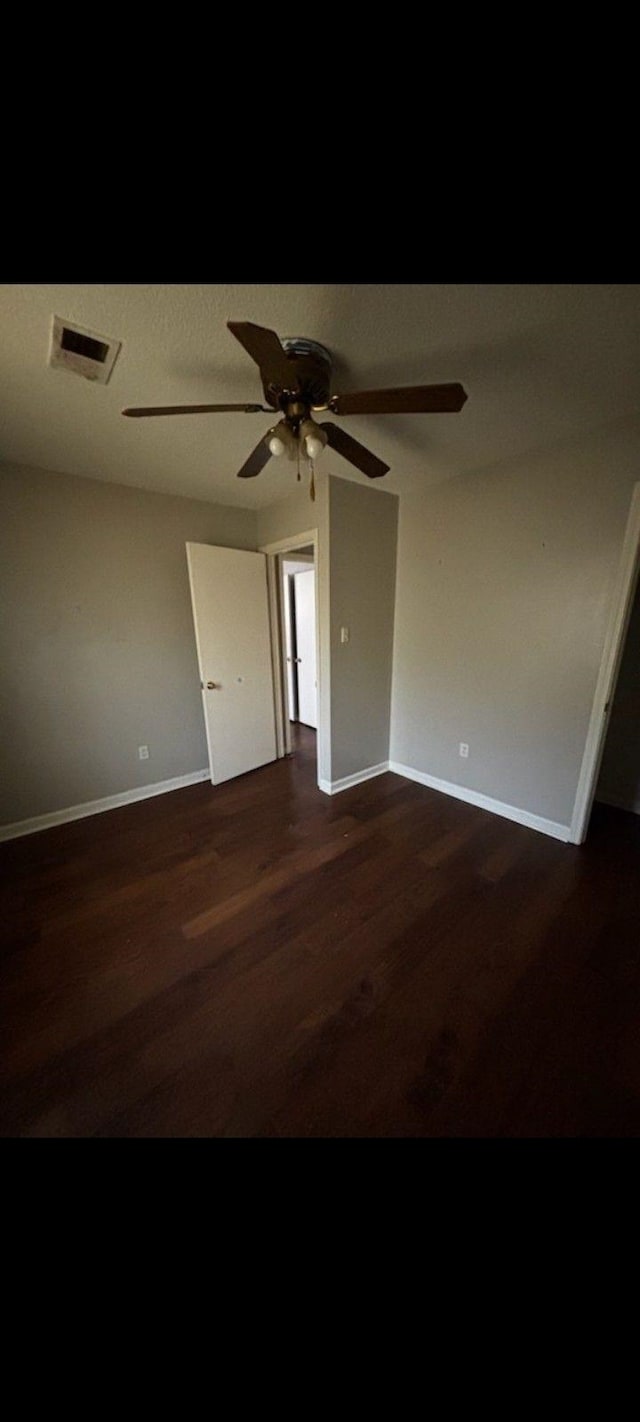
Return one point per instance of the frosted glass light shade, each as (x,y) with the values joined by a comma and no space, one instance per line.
(281,440)
(314,438)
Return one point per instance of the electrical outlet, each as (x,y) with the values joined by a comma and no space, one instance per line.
(143,752)
(464,749)
(344,634)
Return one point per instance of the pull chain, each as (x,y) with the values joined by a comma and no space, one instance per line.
(299,461)
(312,486)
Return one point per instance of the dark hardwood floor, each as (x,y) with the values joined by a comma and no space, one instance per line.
(261,960)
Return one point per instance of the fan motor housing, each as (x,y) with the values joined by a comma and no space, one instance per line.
(312,370)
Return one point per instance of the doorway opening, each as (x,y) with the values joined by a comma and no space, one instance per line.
(294,581)
(618,782)
(611,752)
(298,589)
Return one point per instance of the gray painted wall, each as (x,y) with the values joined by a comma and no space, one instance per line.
(505,577)
(97,643)
(357,533)
(619,780)
(295,514)
(504,583)
(363,540)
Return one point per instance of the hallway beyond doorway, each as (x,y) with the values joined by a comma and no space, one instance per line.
(303,744)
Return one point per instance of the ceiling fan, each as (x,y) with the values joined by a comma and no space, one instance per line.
(296,380)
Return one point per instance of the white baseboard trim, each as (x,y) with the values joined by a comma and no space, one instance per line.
(619,802)
(483,802)
(97,807)
(333,787)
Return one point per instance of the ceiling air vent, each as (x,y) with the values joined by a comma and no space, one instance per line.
(82,352)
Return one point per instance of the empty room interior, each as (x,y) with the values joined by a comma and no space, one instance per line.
(320,709)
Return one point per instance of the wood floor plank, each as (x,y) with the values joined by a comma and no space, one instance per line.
(259,959)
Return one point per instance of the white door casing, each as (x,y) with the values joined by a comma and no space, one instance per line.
(288,639)
(231,618)
(305,600)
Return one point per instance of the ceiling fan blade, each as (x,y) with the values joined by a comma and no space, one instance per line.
(356,453)
(264,347)
(256,461)
(407,400)
(195,410)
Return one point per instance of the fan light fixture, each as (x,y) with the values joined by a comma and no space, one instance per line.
(313,438)
(309,441)
(282,440)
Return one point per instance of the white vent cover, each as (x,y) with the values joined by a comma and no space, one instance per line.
(81,351)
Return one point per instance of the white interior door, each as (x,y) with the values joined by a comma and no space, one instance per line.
(305,594)
(231,618)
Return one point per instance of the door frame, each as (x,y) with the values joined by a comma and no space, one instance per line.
(622,602)
(291,676)
(273,553)
(293,582)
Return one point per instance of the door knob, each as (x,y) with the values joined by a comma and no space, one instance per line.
(211,686)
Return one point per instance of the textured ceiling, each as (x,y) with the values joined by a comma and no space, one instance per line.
(540,364)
